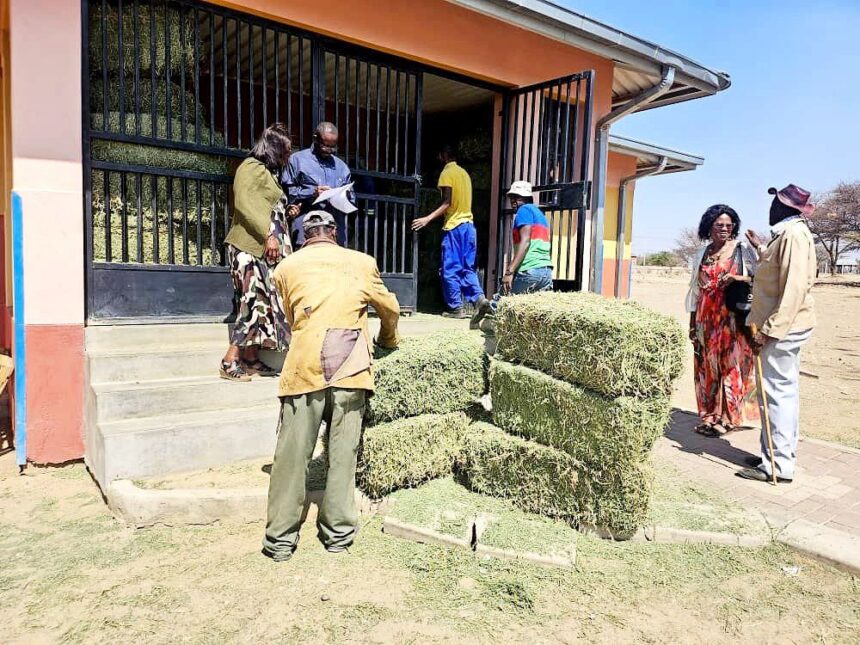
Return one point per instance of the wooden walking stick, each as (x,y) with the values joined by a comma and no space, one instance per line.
(760,385)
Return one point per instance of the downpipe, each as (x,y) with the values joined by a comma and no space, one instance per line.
(622,215)
(601,156)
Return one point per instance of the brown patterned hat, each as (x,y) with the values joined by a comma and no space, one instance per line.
(794,197)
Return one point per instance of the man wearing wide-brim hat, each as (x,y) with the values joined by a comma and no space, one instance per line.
(782,312)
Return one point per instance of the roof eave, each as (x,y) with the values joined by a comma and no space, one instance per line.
(603,40)
(677,161)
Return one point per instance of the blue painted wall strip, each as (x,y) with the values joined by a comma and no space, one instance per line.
(20,342)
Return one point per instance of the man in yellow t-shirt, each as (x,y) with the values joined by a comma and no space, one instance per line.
(459,237)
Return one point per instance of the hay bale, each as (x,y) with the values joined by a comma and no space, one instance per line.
(97,97)
(163,158)
(610,346)
(181,53)
(176,134)
(438,373)
(538,479)
(610,437)
(594,429)
(550,482)
(407,452)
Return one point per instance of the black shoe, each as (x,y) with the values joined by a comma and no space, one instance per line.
(458,313)
(756,474)
(482,308)
(752,462)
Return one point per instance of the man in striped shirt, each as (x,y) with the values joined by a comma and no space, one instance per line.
(530,268)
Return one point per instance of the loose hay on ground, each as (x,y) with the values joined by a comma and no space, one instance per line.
(538,479)
(438,373)
(609,346)
(408,452)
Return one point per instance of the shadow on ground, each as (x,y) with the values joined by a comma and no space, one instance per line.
(681,432)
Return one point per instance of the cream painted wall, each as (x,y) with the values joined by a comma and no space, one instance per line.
(46,155)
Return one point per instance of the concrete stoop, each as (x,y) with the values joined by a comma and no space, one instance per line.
(156,405)
(143,507)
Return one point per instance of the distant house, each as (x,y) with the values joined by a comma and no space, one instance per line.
(122,123)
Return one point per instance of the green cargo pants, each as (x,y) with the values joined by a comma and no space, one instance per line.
(301,416)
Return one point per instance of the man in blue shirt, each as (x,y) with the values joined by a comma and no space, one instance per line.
(313,171)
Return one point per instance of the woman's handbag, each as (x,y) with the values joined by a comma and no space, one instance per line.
(738,294)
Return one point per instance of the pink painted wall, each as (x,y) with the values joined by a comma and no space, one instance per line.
(45,43)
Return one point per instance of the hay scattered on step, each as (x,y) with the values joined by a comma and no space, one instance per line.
(433,374)
(536,478)
(613,347)
(408,452)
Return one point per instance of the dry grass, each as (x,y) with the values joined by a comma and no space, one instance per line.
(73,574)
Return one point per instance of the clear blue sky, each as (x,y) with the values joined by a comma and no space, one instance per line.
(792,114)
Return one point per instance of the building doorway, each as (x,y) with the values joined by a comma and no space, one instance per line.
(459,114)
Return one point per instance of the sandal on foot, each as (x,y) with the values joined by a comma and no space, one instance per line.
(715,430)
(703,428)
(233,371)
(259,368)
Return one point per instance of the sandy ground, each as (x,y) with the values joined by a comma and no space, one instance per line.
(73,574)
(830,400)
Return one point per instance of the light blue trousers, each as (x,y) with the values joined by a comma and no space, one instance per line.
(781,380)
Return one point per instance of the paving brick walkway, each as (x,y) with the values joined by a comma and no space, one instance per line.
(825,491)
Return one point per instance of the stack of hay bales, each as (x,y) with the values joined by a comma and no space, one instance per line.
(591,378)
(416,421)
(155,94)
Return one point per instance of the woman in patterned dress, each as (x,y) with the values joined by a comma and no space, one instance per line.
(258,239)
(724,362)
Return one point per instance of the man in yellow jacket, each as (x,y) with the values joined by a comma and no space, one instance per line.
(327,376)
(783,315)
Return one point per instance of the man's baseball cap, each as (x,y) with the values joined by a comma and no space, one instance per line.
(521,188)
(315,219)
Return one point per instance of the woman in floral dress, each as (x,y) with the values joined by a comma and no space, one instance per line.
(724,361)
(257,241)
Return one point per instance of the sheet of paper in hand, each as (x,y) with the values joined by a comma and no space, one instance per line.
(337,198)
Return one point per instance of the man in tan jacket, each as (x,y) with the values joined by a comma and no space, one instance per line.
(782,313)
(327,376)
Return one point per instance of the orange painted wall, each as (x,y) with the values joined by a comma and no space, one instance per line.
(444,35)
(55,391)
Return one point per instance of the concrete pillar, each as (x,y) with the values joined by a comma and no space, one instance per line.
(47,181)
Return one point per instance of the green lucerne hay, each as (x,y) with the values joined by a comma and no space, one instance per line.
(611,437)
(97,120)
(161,221)
(538,479)
(550,482)
(408,452)
(181,50)
(437,373)
(610,346)
(594,429)
(165,158)
(97,97)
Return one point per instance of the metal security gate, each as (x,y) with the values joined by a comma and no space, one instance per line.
(378,111)
(174,94)
(547,138)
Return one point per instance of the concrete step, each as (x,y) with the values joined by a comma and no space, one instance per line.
(153,364)
(142,399)
(130,338)
(134,448)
